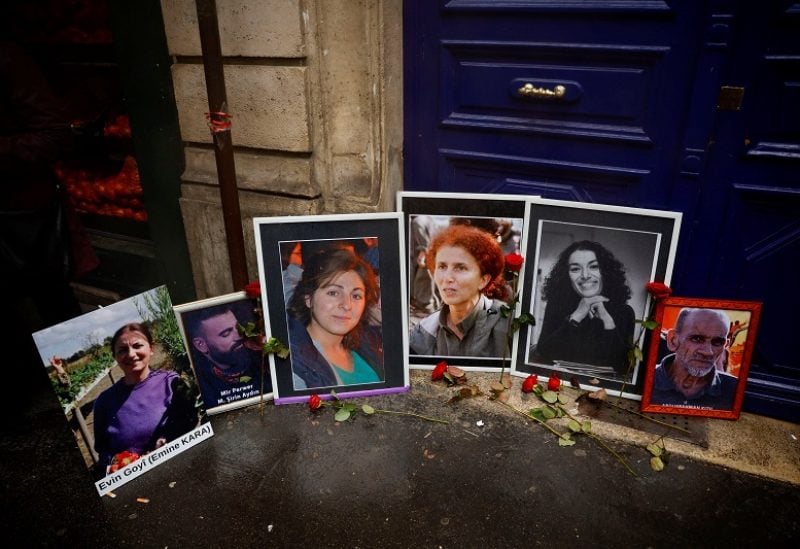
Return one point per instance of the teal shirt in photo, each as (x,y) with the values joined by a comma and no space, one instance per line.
(362,372)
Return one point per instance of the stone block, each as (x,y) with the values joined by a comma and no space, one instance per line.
(247,28)
(268,105)
(287,175)
(349,73)
(352,176)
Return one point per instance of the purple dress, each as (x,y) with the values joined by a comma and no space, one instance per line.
(126,417)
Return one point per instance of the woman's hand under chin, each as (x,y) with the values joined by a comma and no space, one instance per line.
(598,310)
(594,307)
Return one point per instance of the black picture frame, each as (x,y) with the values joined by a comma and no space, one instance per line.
(644,241)
(390,361)
(439,208)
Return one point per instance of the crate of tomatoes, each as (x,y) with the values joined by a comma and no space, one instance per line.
(116,195)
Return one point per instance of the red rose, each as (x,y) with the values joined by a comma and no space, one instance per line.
(438,372)
(658,290)
(514,262)
(554,382)
(529,383)
(253,289)
(314,403)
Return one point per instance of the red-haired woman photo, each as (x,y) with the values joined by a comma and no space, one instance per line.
(467,265)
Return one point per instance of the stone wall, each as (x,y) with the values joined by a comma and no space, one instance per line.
(315,90)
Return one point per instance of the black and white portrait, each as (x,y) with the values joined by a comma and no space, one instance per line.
(588,265)
(590,289)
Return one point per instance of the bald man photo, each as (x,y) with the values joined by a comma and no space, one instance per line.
(689,376)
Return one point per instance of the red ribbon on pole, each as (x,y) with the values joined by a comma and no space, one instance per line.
(219,121)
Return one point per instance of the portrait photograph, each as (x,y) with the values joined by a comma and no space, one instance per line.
(589,268)
(698,364)
(231,371)
(457,284)
(125,385)
(334,294)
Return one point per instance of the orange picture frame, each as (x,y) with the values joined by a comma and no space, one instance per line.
(699,356)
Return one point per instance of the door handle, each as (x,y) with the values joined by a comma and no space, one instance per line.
(529,90)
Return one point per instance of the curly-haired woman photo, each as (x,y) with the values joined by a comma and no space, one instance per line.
(587,318)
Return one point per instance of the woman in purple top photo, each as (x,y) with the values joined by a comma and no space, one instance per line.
(146,408)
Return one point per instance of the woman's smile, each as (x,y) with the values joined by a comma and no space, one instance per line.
(133,352)
(584,273)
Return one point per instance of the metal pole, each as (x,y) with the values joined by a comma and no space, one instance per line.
(223,145)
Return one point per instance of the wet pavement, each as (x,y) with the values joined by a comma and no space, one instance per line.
(286,477)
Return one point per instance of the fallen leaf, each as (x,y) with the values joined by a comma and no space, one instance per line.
(342,415)
(594,381)
(588,407)
(656,464)
(497,387)
(600,394)
(506,381)
(455,371)
(654,449)
(574,382)
(455,398)
(504,396)
(550,396)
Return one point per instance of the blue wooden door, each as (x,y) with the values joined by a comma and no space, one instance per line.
(616,102)
(744,238)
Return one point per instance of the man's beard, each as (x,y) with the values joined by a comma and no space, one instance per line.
(238,359)
(699,372)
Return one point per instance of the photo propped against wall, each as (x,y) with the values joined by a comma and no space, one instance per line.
(125,385)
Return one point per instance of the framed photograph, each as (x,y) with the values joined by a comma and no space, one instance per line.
(125,386)
(588,267)
(334,294)
(229,373)
(698,364)
(456,315)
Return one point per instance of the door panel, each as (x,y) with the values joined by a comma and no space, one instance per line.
(489,78)
(497,173)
